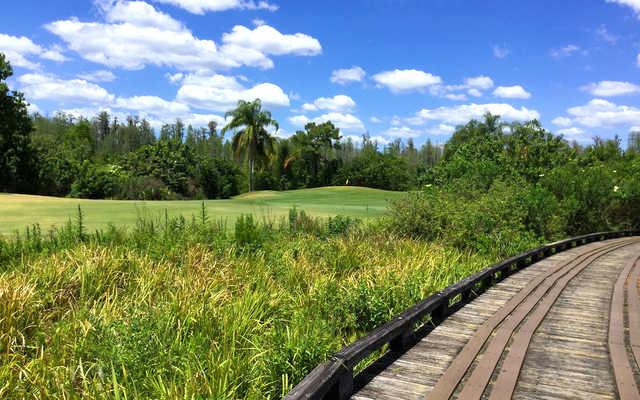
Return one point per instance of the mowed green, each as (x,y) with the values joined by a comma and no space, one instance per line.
(19,211)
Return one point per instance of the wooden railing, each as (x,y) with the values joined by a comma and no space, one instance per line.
(334,379)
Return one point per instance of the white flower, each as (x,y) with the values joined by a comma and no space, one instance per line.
(616,188)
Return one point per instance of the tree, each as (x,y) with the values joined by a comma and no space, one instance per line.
(315,149)
(251,137)
(15,130)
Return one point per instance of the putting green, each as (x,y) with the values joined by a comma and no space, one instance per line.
(19,211)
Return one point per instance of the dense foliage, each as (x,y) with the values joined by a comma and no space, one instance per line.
(502,184)
(185,308)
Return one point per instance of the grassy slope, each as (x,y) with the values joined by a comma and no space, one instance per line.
(19,211)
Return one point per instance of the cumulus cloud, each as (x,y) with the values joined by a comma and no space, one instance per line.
(98,76)
(611,88)
(268,40)
(474,92)
(479,82)
(136,35)
(346,122)
(562,121)
(221,93)
(375,120)
(18,50)
(348,75)
(403,132)
(406,80)
(573,131)
(48,87)
(456,96)
(441,130)
(138,13)
(461,114)
(152,105)
(202,6)
(603,113)
(511,92)
(340,103)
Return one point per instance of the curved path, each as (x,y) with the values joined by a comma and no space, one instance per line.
(567,327)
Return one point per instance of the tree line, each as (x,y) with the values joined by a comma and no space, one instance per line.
(104,157)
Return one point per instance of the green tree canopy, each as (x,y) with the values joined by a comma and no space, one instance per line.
(15,127)
(251,138)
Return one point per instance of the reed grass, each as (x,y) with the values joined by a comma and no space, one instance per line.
(183,308)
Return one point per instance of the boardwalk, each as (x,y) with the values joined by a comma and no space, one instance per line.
(567,327)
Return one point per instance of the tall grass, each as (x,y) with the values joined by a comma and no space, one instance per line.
(184,308)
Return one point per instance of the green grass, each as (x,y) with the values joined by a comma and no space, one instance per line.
(20,211)
(185,310)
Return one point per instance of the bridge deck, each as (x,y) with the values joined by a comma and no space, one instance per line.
(566,327)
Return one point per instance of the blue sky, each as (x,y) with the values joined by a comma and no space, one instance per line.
(391,68)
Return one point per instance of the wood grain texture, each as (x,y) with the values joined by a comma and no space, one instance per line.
(567,355)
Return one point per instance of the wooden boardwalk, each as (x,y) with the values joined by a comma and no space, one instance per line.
(566,327)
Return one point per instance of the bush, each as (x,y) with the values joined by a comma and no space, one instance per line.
(144,188)
(509,217)
(96,182)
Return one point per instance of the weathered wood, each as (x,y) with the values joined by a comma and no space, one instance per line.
(567,355)
(334,379)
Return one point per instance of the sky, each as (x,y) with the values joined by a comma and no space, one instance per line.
(387,68)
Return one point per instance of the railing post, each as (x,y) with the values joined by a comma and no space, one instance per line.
(402,341)
(343,388)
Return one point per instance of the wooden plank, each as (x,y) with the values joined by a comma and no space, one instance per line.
(567,357)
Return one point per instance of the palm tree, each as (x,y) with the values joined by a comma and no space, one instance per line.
(251,138)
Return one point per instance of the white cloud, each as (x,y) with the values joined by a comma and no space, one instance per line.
(573,131)
(403,132)
(500,51)
(18,49)
(221,93)
(203,6)
(348,75)
(634,4)
(137,35)
(441,129)
(133,47)
(346,122)
(48,87)
(175,78)
(98,76)
(463,113)
(153,105)
(138,13)
(339,103)
(611,88)
(562,121)
(479,82)
(406,80)
(456,96)
(474,92)
(511,92)
(299,120)
(375,120)
(566,51)
(268,40)
(603,113)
